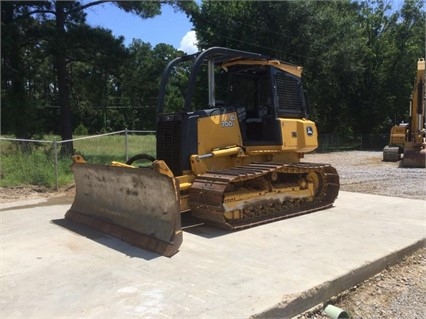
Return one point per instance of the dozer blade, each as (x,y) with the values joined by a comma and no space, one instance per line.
(137,205)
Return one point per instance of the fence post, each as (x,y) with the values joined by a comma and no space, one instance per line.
(55,149)
(125,143)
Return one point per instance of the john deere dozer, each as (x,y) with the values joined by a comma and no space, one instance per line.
(233,162)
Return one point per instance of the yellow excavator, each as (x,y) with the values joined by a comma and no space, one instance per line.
(409,139)
(233,162)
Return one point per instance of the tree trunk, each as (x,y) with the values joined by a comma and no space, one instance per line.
(17,97)
(62,76)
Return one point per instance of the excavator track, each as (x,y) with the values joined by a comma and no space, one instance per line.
(258,193)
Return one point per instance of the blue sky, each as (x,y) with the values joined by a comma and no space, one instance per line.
(171,27)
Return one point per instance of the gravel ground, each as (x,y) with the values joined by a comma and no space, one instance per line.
(365,172)
(397,292)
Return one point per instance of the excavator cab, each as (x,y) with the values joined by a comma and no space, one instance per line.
(229,155)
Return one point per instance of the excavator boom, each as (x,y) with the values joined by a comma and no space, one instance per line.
(409,139)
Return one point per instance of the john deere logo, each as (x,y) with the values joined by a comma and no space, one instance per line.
(309,131)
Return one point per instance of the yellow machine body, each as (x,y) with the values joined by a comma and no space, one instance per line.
(233,164)
(409,139)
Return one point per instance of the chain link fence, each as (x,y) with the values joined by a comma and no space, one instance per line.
(39,162)
(362,142)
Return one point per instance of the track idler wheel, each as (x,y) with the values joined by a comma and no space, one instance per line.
(317,180)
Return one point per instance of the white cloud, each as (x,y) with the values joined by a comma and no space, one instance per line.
(188,44)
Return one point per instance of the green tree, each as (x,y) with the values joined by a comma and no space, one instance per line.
(316,35)
(407,37)
(19,52)
(95,71)
(61,18)
(64,10)
(141,80)
(355,54)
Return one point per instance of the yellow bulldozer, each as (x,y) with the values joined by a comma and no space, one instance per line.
(234,162)
(409,139)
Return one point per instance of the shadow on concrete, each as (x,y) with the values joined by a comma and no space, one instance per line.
(105,239)
(189,223)
(194,226)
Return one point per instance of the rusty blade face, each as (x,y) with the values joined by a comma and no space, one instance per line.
(136,205)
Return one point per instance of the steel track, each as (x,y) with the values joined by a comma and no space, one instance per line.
(208,195)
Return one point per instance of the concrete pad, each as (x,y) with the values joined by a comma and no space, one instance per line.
(51,267)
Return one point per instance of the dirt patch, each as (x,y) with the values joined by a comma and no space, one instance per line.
(12,194)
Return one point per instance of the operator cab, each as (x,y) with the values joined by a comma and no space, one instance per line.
(259,89)
(261,95)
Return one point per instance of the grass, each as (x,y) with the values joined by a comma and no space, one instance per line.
(33,163)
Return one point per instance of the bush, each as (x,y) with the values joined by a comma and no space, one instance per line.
(36,165)
(34,168)
(81,130)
